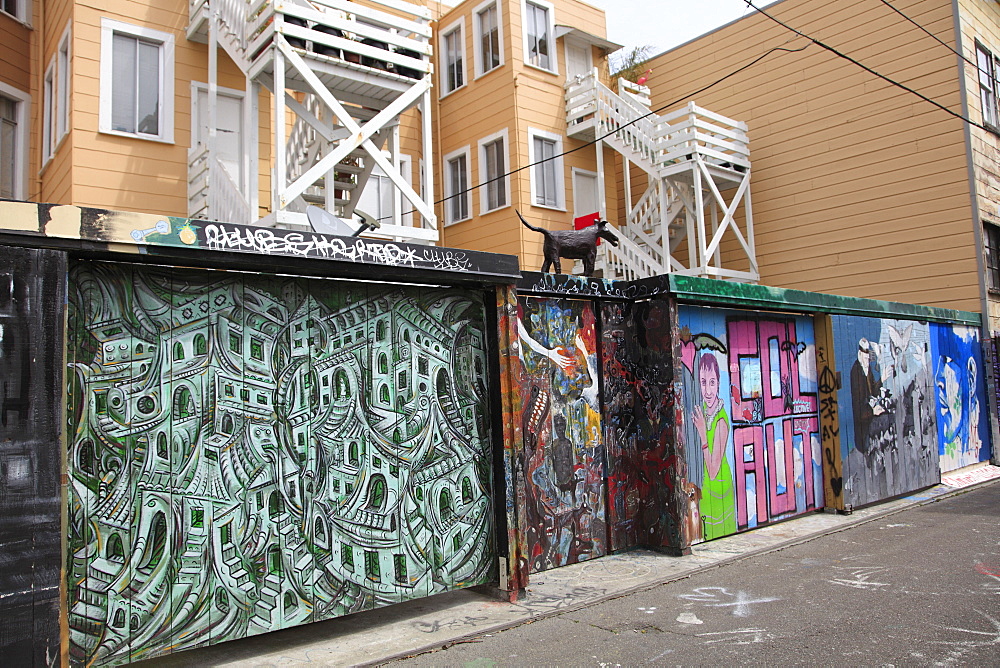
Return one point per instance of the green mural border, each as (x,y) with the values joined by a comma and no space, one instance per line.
(748,296)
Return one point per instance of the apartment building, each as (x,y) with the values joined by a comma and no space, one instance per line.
(860,187)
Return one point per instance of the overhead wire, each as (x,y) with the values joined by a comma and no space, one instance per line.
(881,76)
(935,37)
(591,142)
(740,69)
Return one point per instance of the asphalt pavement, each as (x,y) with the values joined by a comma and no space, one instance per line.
(464,623)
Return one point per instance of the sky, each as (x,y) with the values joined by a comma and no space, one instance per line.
(663,24)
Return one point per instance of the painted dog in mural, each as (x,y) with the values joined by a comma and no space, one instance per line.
(572,244)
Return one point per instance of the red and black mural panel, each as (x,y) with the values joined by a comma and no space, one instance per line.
(644,508)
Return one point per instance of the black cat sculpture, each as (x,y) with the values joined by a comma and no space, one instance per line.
(572,244)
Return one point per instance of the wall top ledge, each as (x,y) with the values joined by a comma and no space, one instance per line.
(168,238)
(688,289)
(747,295)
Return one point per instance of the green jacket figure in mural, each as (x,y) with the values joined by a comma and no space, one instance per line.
(718,501)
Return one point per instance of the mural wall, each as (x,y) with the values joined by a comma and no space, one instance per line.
(32,294)
(960,391)
(751,427)
(248,453)
(638,420)
(888,433)
(561,466)
(913,404)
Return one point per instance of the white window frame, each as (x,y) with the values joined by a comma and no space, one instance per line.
(456,27)
(166,111)
(449,218)
(551,34)
(987,80)
(557,163)
(484,176)
(48,111)
(477,32)
(64,61)
(22,14)
(21,155)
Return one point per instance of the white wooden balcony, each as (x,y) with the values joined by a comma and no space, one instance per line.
(346,71)
(698,168)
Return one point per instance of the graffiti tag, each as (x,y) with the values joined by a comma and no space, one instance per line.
(278,242)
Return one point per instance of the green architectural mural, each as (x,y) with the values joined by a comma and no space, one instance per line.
(249,453)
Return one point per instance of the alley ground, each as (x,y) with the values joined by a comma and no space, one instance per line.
(916,578)
(919,587)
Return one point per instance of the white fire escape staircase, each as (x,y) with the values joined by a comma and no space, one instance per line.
(346,71)
(697,165)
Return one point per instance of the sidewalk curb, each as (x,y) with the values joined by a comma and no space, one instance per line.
(532,617)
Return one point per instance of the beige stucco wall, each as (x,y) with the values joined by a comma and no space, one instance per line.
(858,187)
(981,21)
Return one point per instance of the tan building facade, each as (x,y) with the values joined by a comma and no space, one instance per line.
(860,187)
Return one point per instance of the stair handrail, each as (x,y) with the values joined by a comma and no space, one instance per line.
(629,260)
(225,201)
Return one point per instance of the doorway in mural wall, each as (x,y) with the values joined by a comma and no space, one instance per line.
(751,432)
(561,466)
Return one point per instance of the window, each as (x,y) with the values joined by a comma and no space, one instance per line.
(544,153)
(987,85)
(453,52)
(137,81)
(495,193)
(48,111)
(62,87)
(13,142)
(457,186)
(991,239)
(538,32)
(19,9)
(488,41)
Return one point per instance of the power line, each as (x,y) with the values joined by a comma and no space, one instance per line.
(616,130)
(866,68)
(936,38)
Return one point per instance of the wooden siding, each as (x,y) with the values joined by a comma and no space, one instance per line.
(981,21)
(55,173)
(517,97)
(858,187)
(15,53)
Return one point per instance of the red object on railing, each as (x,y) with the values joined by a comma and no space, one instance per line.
(586,221)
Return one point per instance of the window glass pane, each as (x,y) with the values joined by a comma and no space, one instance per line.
(149,88)
(453,59)
(490,36)
(496,195)
(47,115)
(8,148)
(545,172)
(459,183)
(63,101)
(10,6)
(538,40)
(123,91)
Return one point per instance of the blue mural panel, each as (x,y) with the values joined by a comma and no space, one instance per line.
(960,393)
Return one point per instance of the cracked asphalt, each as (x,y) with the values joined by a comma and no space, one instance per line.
(918,587)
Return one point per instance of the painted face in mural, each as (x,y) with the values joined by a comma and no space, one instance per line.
(708,376)
(949,394)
